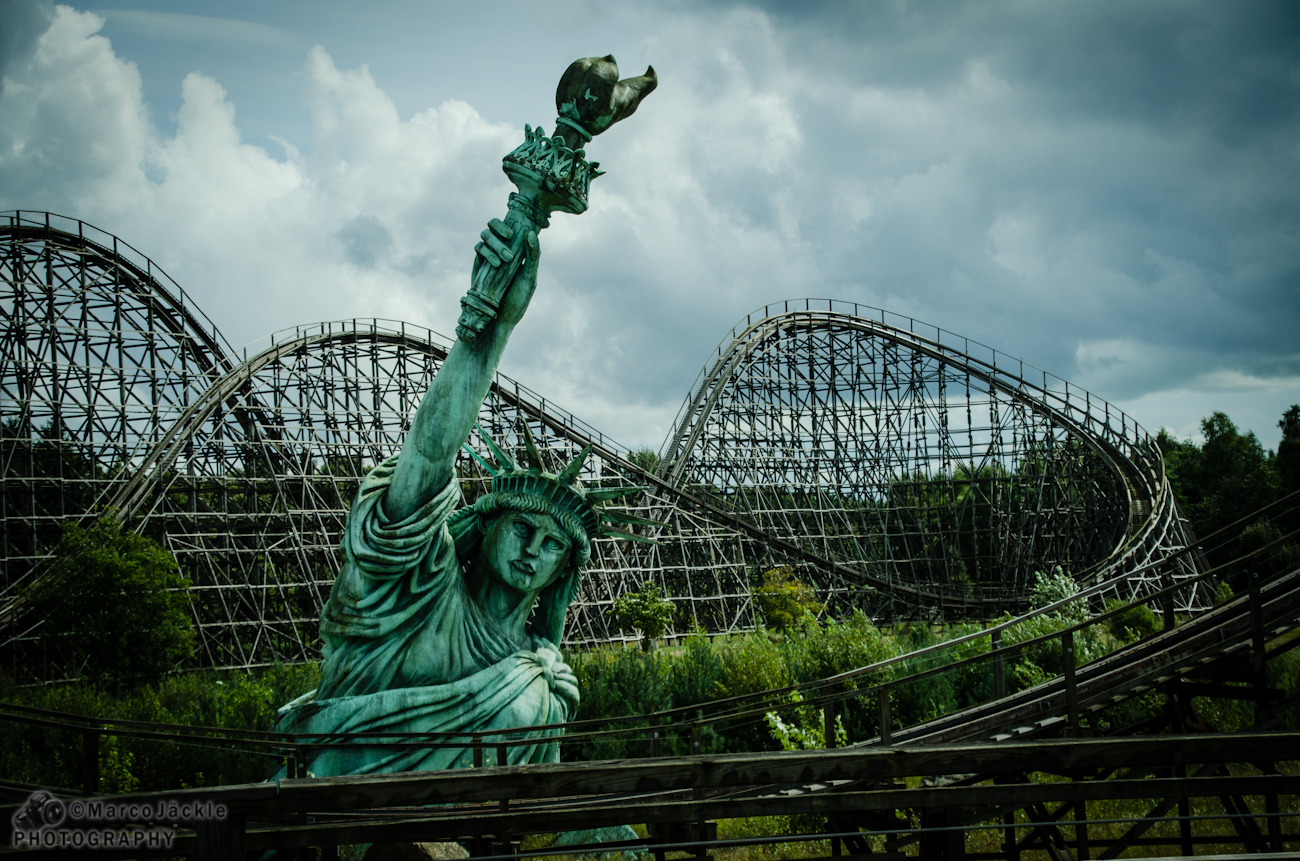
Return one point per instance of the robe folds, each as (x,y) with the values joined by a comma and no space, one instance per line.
(407,650)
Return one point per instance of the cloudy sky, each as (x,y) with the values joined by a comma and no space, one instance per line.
(1107,190)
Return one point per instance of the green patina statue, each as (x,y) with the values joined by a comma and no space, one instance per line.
(447,619)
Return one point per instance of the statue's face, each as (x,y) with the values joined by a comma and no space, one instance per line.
(527,551)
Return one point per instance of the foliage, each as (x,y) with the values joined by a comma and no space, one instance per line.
(118,601)
(1288,452)
(646,458)
(785,601)
(646,611)
(1035,664)
(697,674)
(804,728)
(1230,475)
(224,699)
(1273,556)
(836,647)
(1133,624)
(1057,586)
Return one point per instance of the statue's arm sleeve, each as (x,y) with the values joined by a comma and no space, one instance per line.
(391,569)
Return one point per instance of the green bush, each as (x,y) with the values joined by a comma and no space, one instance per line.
(222,699)
(697,675)
(785,601)
(1133,624)
(115,603)
(646,611)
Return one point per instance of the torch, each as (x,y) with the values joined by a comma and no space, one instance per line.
(552,173)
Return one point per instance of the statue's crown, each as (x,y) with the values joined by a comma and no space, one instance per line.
(562,489)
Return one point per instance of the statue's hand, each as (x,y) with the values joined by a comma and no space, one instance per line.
(565,683)
(497,260)
(559,675)
(515,302)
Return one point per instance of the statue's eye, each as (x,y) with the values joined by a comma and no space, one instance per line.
(554,546)
(522,528)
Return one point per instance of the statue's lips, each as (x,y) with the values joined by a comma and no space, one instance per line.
(523,568)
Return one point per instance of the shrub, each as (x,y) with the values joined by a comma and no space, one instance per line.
(697,675)
(785,601)
(646,611)
(1133,624)
(1057,586)
(117,603)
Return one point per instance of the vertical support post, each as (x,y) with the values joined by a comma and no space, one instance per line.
(1082,850)
(828,719)
(1274,821)
(90,761)
(655,732)
(1167,600)
(478,751)
(1009,836)
(695,739)
(882,697)
(1184,817)
(1258,656)
(221,839)
(300,761)
(503,754)
(999,666)
(1071,691)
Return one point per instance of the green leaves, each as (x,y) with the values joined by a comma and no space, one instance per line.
(115,603)
(646,611)
(785,601)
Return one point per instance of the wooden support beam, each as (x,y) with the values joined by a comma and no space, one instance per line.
(220,839)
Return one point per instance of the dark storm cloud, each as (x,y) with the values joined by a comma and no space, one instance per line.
(1152,144)
(1107,190)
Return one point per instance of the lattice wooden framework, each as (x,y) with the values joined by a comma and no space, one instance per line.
(900,470)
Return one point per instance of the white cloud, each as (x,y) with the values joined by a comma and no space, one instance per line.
(974,183)
(202,28)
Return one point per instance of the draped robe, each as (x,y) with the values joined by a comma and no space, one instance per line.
(407,650)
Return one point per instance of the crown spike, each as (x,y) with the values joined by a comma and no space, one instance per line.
(490,469)
(604,494)
(631,519)
(507,462)
(619,533)
(530,449)
(570,473)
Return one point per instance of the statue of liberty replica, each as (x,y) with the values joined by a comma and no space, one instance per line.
(447,619)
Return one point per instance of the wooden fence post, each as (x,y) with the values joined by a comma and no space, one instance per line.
(221,839)
(1071,690)
(90,761)
(999,667)
(882,696)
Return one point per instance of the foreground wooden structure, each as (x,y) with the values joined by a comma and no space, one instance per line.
(1021,766)
(863,791)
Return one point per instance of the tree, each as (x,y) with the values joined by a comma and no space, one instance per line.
(646,611)
(1288,451)
(785,601)
(117,603)
(646,458)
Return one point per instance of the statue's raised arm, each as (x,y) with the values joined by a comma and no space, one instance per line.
(551,174)
(451,405)
(448,619)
